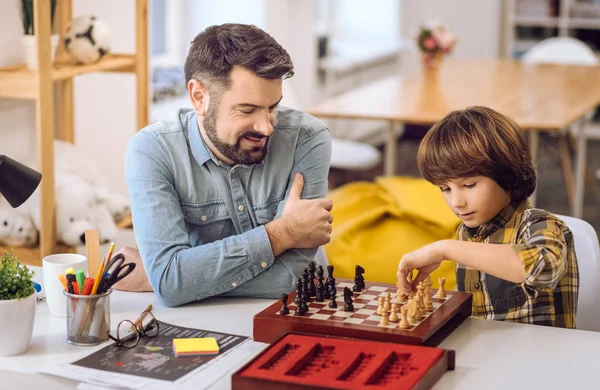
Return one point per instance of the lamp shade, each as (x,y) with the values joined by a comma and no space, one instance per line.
(17,181)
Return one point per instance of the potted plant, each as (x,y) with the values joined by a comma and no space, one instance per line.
(28,38)
(17,305)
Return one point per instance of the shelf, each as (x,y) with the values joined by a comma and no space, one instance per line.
(19,82)
(584,23)
(535,21)
(31,256)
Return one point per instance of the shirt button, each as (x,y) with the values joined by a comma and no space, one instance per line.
(203,218)
(263,264)
(476,285)
(241,207)
(234,284)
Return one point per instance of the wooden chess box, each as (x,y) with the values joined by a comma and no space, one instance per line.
(362,323)
(298,361)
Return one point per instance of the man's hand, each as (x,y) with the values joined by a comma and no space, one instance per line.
(425,260)
(304,223)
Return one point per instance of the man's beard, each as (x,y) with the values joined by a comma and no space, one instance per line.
(235,152)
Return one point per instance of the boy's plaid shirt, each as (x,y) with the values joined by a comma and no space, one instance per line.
(545,245)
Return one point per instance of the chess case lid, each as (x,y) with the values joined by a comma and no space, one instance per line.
(307,361)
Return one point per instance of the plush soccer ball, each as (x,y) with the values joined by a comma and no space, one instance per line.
(87,38)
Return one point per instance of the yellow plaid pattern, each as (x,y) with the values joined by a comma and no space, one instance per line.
(545,245)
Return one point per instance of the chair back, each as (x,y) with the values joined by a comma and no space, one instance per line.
(587,250)
(561,50)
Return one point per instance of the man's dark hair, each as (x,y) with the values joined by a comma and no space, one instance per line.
(216,50)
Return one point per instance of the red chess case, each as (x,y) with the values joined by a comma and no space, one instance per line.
(298,361)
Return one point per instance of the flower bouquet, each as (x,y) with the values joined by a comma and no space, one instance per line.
(435,41)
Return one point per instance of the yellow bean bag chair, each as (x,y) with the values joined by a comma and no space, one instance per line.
(375,223)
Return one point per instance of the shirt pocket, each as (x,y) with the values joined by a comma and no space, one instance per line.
(266,213)
(207,222)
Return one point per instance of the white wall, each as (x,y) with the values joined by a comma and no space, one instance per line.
(475,22)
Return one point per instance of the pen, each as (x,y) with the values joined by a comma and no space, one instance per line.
(80,277)
(63,281)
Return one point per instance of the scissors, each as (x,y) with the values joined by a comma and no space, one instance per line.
(115,271)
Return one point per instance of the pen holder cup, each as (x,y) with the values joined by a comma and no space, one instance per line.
(88,318)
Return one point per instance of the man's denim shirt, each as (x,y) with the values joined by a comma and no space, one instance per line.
(198,222)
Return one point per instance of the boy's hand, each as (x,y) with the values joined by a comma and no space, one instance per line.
(425,260)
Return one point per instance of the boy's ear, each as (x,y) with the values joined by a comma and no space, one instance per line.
(199,97)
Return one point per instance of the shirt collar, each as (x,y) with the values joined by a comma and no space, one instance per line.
(499,221)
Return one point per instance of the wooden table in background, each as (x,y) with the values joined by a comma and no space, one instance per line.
(539,97)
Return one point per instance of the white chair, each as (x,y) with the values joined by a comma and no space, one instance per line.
(588,258)
(561,50)
(569,51)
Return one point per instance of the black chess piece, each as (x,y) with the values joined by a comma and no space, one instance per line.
(284,306)
(360,270)
(311,279)
(332,293)
(298,291)
(330,269)
(348,306)
(359,281)
(320,288)
(305,288)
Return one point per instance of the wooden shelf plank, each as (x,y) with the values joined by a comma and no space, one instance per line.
(19,82)
(32,256)
(535,21)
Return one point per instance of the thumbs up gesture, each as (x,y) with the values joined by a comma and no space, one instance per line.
(307,222)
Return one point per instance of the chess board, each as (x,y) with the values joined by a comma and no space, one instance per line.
(363,322)
(298,361)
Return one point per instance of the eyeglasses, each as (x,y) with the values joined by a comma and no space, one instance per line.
(129,333)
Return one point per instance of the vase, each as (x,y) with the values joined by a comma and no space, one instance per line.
(16,326)
(30,49)
(431,62)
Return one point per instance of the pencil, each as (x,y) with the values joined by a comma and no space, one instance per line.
(102,269)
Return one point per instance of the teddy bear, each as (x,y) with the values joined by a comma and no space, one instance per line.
(16,226)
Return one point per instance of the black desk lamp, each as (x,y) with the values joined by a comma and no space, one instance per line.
(17,181)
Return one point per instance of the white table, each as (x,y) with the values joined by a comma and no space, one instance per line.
(489,355)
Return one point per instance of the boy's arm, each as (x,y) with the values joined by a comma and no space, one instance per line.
(538,261)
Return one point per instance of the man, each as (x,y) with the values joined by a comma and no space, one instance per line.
(229,199)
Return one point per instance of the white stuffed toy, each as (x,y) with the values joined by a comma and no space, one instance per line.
(16,226)
(76,211)
(71,161)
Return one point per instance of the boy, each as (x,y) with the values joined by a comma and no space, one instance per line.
(518,262)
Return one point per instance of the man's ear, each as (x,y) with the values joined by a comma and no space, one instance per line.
(199,97)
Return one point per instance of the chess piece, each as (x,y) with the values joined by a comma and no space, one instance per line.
(394,313)
(320,293)
(419,302)
(412,311)
(305,290)
(441,293)
(400,296)
(304,305)
(380,307)
(312,291)
(386,305)
(298,292)
(284,307)
(427,299)
(301,307)
(332,294)
(404,320)
(348,306)
(384,321)
(359,280)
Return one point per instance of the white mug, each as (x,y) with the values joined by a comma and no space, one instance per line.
(52,266)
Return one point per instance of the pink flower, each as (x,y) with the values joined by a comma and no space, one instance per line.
(429,43)
(444,39)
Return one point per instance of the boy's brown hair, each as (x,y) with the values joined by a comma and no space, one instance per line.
(478,141)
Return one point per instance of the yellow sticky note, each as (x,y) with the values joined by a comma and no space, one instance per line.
(195,346)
